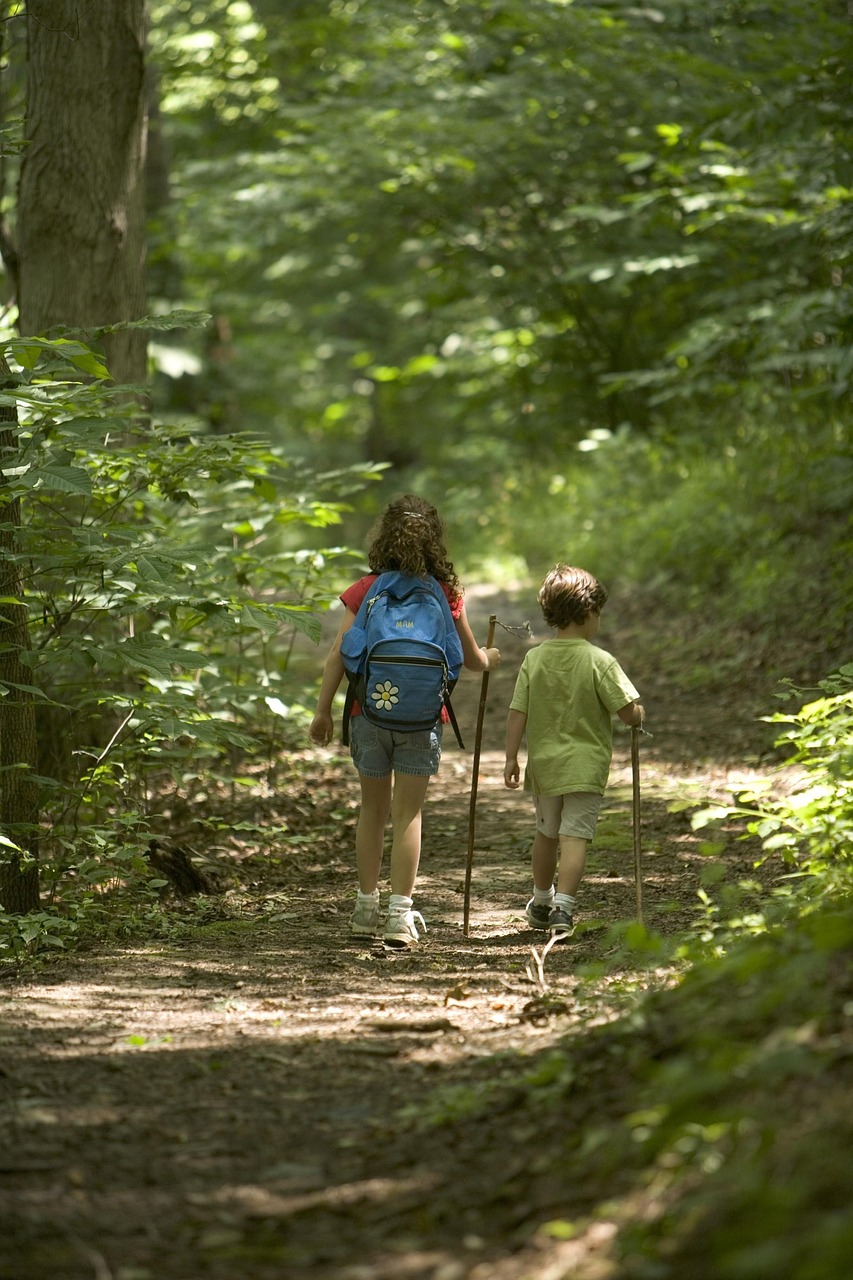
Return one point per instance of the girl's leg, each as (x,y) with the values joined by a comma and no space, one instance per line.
(370,832)
(543,856)
(406,813)
(572,863)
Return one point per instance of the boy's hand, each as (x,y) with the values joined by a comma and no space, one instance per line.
(512,774)
(633,715)
(494,658)
(322,728)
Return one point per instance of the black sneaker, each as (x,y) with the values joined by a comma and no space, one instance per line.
(538,914)
(560,923)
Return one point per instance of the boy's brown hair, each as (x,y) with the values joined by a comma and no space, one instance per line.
(570,595)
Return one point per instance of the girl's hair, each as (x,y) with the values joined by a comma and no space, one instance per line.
(570,595)
(409,536)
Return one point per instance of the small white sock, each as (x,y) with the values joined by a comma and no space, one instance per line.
(565,902)
(543,897)
(399,902)
(365,899)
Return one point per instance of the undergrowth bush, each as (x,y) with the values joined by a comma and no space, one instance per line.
(166,575)
(747,524)
(738,1128)
(809,825)
(709,1125)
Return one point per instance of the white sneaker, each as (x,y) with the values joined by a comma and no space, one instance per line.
(400,927)
(364,921)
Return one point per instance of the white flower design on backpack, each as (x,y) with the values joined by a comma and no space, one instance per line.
(385,696)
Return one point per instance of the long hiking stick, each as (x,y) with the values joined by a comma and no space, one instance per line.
(475,772)
(638,855)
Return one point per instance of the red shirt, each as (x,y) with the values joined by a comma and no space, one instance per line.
(354,595)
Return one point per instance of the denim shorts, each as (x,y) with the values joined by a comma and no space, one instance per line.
(377,752)
(575,814)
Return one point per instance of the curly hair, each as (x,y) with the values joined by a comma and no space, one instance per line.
(409,536)
(570,595)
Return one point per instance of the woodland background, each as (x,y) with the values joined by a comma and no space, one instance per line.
(577,272)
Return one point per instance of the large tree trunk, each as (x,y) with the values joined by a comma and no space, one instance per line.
(19,879)
(81,205)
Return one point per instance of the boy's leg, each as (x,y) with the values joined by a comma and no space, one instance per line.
(406,821)
(370,831)
(543,857)
(572,863)
(577,827)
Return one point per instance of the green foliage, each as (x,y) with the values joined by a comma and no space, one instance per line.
(810,826)
(814,824)
(709,1124)
(734,1118)
(487,233)
(748,529)
(167,576)
(23,935)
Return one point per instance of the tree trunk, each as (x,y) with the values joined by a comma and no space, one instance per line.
(19,877)
(81,205)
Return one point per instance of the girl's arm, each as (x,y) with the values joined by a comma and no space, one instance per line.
(322,726)
(476,657)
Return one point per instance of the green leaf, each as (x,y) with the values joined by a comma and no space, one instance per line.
(28,351)
(305,621)
(157,659)
(258,620)
(90,363)
(58,479)
(27,354)
(177,319)
(27,688)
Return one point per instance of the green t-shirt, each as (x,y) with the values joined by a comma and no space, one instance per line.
(569,690)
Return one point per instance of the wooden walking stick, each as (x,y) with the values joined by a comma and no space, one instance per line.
(475,770)
(638,855)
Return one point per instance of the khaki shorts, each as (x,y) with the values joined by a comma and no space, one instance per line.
(575,814)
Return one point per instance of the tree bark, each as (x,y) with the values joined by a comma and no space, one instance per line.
(81,205)
(19,793)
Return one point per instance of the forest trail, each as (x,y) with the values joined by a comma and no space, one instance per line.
(245,1100)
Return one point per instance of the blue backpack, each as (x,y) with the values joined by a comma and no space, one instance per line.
(402,655)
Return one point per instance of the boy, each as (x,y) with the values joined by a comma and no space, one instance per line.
(565,695)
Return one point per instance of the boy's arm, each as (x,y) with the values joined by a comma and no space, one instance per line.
(633,714)
(322,726)
(516,723)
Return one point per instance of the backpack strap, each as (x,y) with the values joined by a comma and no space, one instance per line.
(452,715)
(349,699)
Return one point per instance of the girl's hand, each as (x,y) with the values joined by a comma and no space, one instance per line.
(322,728)
(494,658)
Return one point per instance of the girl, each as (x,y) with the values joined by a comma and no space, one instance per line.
(394,769)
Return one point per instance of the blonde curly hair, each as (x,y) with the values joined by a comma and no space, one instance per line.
(409,536)
(570,595)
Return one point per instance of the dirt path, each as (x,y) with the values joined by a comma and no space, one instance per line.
(239,1102)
